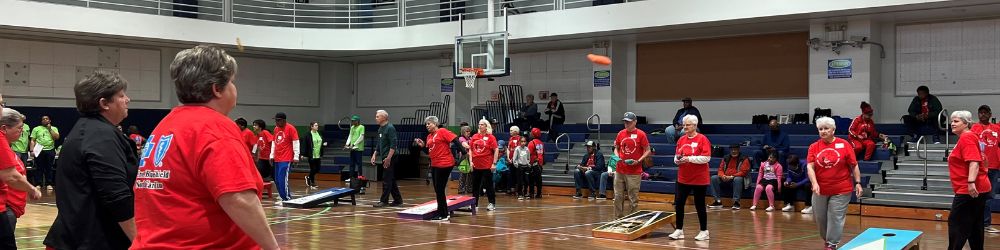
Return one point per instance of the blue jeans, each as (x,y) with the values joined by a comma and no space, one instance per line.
(993,174)
(737,184)
(604,182)
(583,178)
(672,133)
(281,179)
(355,167)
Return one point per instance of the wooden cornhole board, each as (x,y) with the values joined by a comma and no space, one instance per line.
(635,225)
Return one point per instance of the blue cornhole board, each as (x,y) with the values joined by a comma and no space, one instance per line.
(885,238)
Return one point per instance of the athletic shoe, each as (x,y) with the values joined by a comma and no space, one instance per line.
(992,230)
(538,196)
(769,208)
(754,207)
(808,210)
(396,204)
(279,203)
(441,219)
(736,205)
(788,208)
(602,197)
(678,234)
(380,204)
(577,196)
(716,204)
(520,197)
(592,198)
(703,235)
(491,207)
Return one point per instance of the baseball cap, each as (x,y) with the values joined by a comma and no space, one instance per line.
(280,115)
(590,143)
(686,99)
(629,116)
(355,118)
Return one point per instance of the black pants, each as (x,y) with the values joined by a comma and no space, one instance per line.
(265,169)
(965,223)
(389,186)
(913,125)
(680,199)
(45,167)
(355,167)
(439,175)
(313,170)
(522,174)
(554,126)
(536,180)
(7,232)
(789,195)
(483,178)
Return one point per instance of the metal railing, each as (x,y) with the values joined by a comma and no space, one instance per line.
(569,147)
(592,129)
(943,116)
(340,123)
(923,139)
(336,14)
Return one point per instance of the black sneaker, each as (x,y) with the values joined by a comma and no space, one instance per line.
(577,196)
(538,196)
(396,204)
(716,204)
(380,204)
(602,197)
(440,218)
(736,205)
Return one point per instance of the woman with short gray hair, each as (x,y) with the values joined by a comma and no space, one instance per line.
(11,123)
(970,184)
(97,170)
(831,164)
(438,146)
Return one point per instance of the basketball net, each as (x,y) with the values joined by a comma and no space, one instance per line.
(470,74)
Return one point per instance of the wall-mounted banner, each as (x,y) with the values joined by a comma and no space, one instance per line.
(838,68)
(447,85)
(602,78)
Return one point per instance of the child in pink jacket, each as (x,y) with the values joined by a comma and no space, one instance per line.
(767,180)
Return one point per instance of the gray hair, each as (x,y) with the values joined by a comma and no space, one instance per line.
(489,127)
(691,118)
(11,117)
(100,84)
(515,129)
(466,129)
(432,119)
(826,122)
(963,115)
(382,112)
(196,70)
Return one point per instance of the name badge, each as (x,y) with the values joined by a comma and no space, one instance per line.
(838,146)
(633,136)
(694,144)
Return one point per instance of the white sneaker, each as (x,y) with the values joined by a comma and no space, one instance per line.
(992,230)
(278,203)
(703,235)
(754,207)
(769,208)
(788,208)
(807,210)
(491,207)
(678,234)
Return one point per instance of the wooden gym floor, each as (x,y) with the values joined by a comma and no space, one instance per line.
(554,222)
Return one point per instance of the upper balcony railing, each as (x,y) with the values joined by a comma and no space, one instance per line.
(331,14)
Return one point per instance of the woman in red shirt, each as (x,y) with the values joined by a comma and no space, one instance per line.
(968,179)
(438,146)
(483,151)
(863,134)
(263,149)
(694,151)
(831,163)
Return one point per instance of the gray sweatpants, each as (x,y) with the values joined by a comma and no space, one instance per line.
(830,212)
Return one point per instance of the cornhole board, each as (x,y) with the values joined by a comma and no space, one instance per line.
(426,210)
(634,225)
(885,238)
(333,194)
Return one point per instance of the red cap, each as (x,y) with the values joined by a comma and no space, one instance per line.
(866,108)
(536,133)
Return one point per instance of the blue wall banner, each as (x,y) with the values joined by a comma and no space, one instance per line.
(602,78)
(838,68)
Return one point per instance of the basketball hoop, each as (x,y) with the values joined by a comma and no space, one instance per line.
(470,74)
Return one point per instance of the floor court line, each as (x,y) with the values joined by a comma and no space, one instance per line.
(449,240)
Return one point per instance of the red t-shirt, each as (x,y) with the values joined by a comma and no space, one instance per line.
(482,147)
(536,152)
(990,136)
(690,173)
(249,138)
(924,106)
(631,145)
(967,149)
(515,141)
(264,145)
(439,148)
(195,156)
(833,164)
(6,161)
(283,138)
(16,199)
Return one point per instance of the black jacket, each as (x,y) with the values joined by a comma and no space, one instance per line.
(306,145)
(687,111)
(97,170)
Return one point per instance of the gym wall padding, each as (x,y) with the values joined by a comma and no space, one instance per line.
(766,66)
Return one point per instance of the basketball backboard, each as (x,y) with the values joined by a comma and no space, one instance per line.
(487,51)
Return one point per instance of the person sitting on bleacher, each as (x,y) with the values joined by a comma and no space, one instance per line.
(528,115)
(923,112)
(776,141)
(733,170)
(862,132)
(796,181)
(677,128)
(589,171)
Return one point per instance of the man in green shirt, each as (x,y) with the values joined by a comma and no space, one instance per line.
(384,152)
(45,135)
(356,144)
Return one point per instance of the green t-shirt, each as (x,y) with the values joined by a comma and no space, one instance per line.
(357,138)
(317,144)
(44,138)
(21,144)
(386,141)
